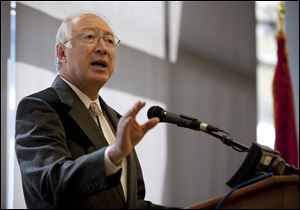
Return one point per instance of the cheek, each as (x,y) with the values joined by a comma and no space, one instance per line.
(82,57)
(112,58)
(83,53)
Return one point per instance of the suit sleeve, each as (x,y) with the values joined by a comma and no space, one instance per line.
(45,160)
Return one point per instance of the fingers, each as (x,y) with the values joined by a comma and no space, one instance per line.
(123,124)
(135,109)
(129,132)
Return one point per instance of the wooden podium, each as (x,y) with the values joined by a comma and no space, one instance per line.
(277,192)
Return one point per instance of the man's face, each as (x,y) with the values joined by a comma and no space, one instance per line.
(89,63)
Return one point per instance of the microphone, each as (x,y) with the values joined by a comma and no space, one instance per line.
(179,120)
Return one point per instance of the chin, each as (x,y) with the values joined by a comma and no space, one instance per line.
(102,80)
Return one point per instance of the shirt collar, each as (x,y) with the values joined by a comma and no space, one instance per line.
(83,97)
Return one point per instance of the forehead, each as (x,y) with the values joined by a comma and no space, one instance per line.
(89,20)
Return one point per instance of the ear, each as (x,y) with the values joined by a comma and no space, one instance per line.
(60,53)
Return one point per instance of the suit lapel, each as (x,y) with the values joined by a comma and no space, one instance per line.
(79,113)
(111,114)
(85,121)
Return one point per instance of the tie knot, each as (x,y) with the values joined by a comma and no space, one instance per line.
(95,108)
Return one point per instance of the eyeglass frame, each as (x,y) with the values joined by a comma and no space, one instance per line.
(97,33)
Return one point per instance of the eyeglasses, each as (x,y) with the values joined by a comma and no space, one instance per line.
(93,36)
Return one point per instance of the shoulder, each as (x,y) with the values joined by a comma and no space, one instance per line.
(45,95)
(42,99)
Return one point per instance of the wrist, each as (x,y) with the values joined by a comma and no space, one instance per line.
(114,156)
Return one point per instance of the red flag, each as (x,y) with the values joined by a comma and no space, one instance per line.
(284,115)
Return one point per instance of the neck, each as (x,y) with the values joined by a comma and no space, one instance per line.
(90,90)
(92,94)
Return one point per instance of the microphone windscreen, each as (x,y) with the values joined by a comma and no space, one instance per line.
(154,111)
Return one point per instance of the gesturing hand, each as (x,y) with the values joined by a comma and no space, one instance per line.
(129,133)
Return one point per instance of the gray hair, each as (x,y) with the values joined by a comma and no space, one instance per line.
(64,33)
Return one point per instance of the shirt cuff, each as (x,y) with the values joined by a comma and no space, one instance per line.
(110,167)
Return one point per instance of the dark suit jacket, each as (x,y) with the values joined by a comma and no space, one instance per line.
(60,151)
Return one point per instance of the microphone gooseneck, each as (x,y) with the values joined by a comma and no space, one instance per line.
(193,123)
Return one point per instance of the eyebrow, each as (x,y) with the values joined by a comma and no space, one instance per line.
(96,29)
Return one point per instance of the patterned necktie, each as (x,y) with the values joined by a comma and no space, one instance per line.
(95,112)
(102,123)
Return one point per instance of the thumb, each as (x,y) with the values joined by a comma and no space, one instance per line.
(150,124)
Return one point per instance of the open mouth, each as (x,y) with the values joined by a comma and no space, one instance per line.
(99,64)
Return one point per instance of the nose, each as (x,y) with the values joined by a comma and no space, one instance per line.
(101,47)
(101,51)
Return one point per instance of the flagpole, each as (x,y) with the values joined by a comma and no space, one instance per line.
(281,14)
